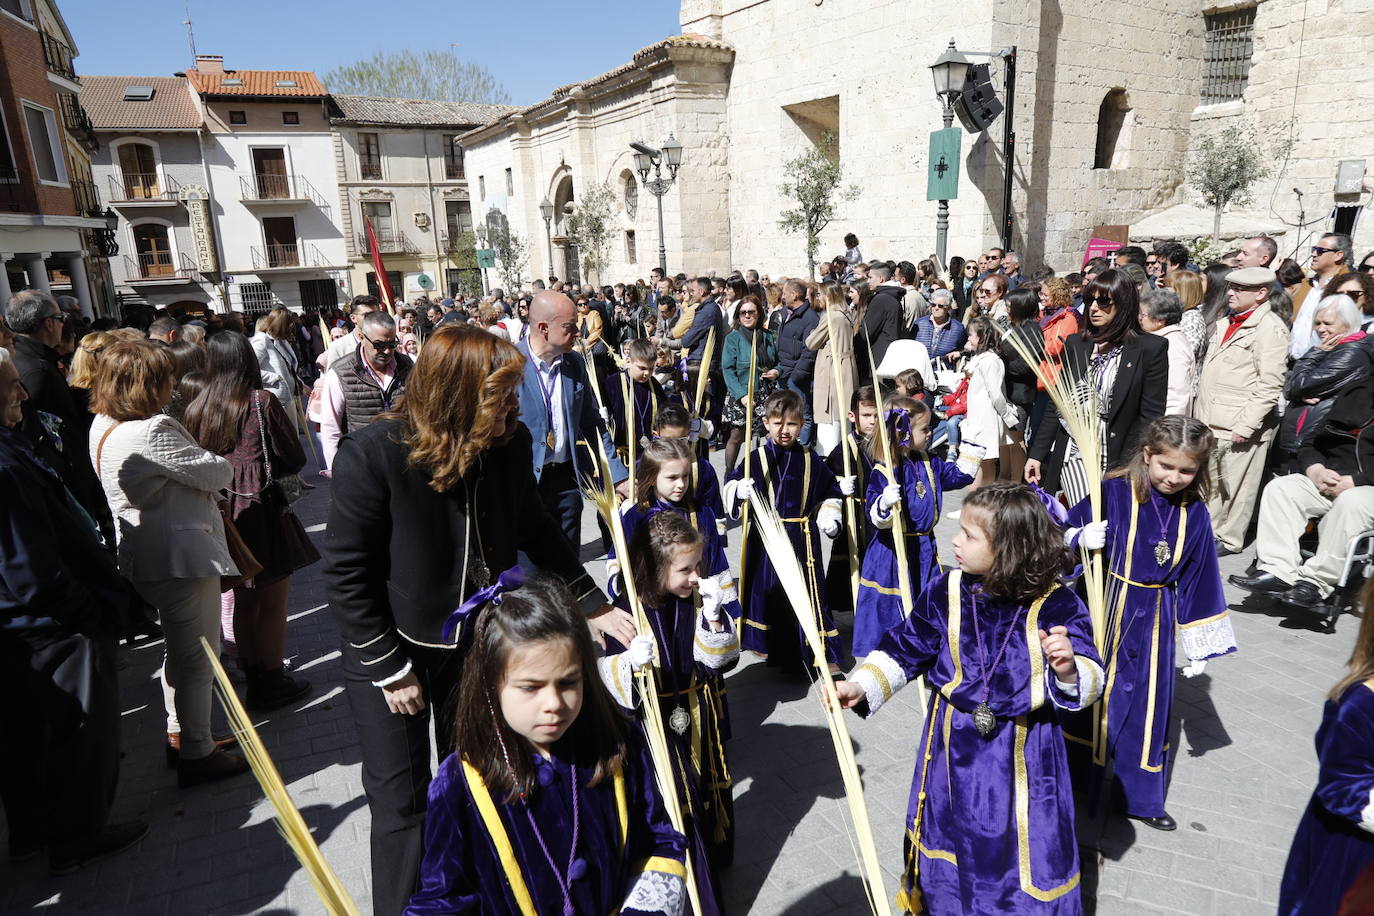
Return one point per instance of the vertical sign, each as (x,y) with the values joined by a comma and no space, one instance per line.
(197,202)
(942,178)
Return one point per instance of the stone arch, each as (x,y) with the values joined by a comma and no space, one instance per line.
(1114,120)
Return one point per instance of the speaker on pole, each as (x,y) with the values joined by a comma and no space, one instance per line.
(978,106)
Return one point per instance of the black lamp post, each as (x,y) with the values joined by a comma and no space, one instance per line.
(950,70)
(646,159)
(106,244)
(546,211)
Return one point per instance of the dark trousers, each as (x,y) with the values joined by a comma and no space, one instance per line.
(59,714)
(562,497)
(396,774)
(807,426)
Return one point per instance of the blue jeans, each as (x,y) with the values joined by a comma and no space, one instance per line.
(808,427)
(950,427)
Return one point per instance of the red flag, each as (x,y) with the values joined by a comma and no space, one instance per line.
(379,267)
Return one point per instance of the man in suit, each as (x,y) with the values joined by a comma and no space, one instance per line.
(560,409)
(1242,378)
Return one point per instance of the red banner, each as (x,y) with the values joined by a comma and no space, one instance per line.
(388,297)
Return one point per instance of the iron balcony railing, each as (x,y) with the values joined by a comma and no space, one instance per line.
(387,243)
(16,196)
(269,257)
(87,197)
(145,186)
(78,123)
(59,57)
(273,186)
(158,265)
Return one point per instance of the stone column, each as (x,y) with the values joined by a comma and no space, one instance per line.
(38,271)
(5,292)
(81,284)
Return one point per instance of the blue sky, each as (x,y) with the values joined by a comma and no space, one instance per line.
(511,38)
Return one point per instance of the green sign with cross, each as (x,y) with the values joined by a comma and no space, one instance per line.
(942,178)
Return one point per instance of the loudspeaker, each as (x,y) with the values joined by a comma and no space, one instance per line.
(978,106)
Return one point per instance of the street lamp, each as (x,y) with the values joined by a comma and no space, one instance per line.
(106,240)
(949,71)
(649,159)
(546,211)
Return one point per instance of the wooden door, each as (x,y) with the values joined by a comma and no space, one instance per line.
(139,169)
(269,169)
(154,251)
(279,233)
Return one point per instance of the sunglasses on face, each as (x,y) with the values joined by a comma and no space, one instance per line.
(1318,251)
(381,345)
(743,312)
(1367,268)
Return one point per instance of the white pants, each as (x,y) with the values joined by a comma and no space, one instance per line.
(1287,504)
(188,609)
(827,437)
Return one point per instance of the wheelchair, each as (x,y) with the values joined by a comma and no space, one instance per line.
(1359,565)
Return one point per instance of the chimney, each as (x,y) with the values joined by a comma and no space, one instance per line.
(210,63)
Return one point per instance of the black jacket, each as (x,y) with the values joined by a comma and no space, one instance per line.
(395,549)
(1344,440)
(1138,398)
(882,324)
(1019,380)
(1319,374)
(796,362)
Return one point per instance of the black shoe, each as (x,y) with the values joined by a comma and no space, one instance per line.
(218,765)
(274,689)
(1159,823)
(1261,583)
(69,858)
(1302,595)
(1223,550)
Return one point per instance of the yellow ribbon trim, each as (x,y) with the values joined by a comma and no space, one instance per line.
(955,616)
(1022,800)
(1204,621)
(662,864)
(486,808)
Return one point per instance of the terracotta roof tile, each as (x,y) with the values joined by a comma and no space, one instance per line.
(257,82)
(170,108)
(363,109)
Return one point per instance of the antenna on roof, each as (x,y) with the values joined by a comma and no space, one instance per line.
(190,33)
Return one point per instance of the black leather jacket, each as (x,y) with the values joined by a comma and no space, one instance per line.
(1319,374)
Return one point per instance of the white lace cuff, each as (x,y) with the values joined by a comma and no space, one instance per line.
(728,591)
(618,677)
(880,677)
(657,892)
(716,650)
(1086,692)
(1208,638)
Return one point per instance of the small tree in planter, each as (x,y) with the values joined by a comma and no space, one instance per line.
(812,184)
(1226,165)
(590,227)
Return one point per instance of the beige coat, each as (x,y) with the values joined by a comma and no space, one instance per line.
(827,404)
(1242,379)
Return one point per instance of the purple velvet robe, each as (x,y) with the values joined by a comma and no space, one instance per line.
(994,832)
(632,407)
(713,558)
(880,600)
(1146,601)
(795,481)
(634,866)
(838,596)
(693,660)
(1335,838)
(706,488)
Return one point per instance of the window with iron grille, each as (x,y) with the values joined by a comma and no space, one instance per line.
(370,156)
(256,297)
(1226,55)
(453,158)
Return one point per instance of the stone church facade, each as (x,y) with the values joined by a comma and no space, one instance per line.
(1109,101)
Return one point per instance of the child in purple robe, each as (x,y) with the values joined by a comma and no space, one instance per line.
(673,422)
(549,803)
(1005,647)
(696,646)
(863,418)
(1162,579)
(1334,843)
(663,482)
(633,398)
(807,498)
(918,494)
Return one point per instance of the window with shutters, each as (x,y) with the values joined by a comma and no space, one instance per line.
(370,156)
(453,158)
(1226,54)
(138,171)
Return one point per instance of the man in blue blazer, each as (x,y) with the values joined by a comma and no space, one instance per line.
(561,412)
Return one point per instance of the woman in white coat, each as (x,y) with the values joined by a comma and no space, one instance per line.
(277,359)
(983,431)
(163,491)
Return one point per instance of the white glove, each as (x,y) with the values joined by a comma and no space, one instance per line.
(1194,669)
(605,416)
(710,599)
(891,496)
(847,484)
(828,518)
(1093,535)
(736,491)
(641,652)
(708,429)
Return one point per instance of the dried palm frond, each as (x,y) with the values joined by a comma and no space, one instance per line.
(778,546)
(748,445)
(604,497)
(1075,397)
(704,372)
(289,820)
(850,513)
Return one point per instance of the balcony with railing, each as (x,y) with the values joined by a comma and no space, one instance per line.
(159,267)
(78,123)
(16,195)
(287,257)
(273,188)
(387,243)
(87,197)
(143,189)
(59,57)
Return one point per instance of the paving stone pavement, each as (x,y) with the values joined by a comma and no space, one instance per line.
(1244,770)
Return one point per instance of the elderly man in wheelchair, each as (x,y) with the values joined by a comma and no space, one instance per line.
(1336,486)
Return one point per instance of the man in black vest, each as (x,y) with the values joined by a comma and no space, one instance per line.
(362,384)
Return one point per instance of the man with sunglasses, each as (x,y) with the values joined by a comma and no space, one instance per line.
(363,384)
(1330,259)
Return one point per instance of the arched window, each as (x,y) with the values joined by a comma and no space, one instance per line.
(631,192)
(138,168)
(154,250)
(1111,120)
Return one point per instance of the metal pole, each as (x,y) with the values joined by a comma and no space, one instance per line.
(1008,142)
(662,251)
(942,212)
(548,241)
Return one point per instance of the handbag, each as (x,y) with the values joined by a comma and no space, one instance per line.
(289,487)
(239,552)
